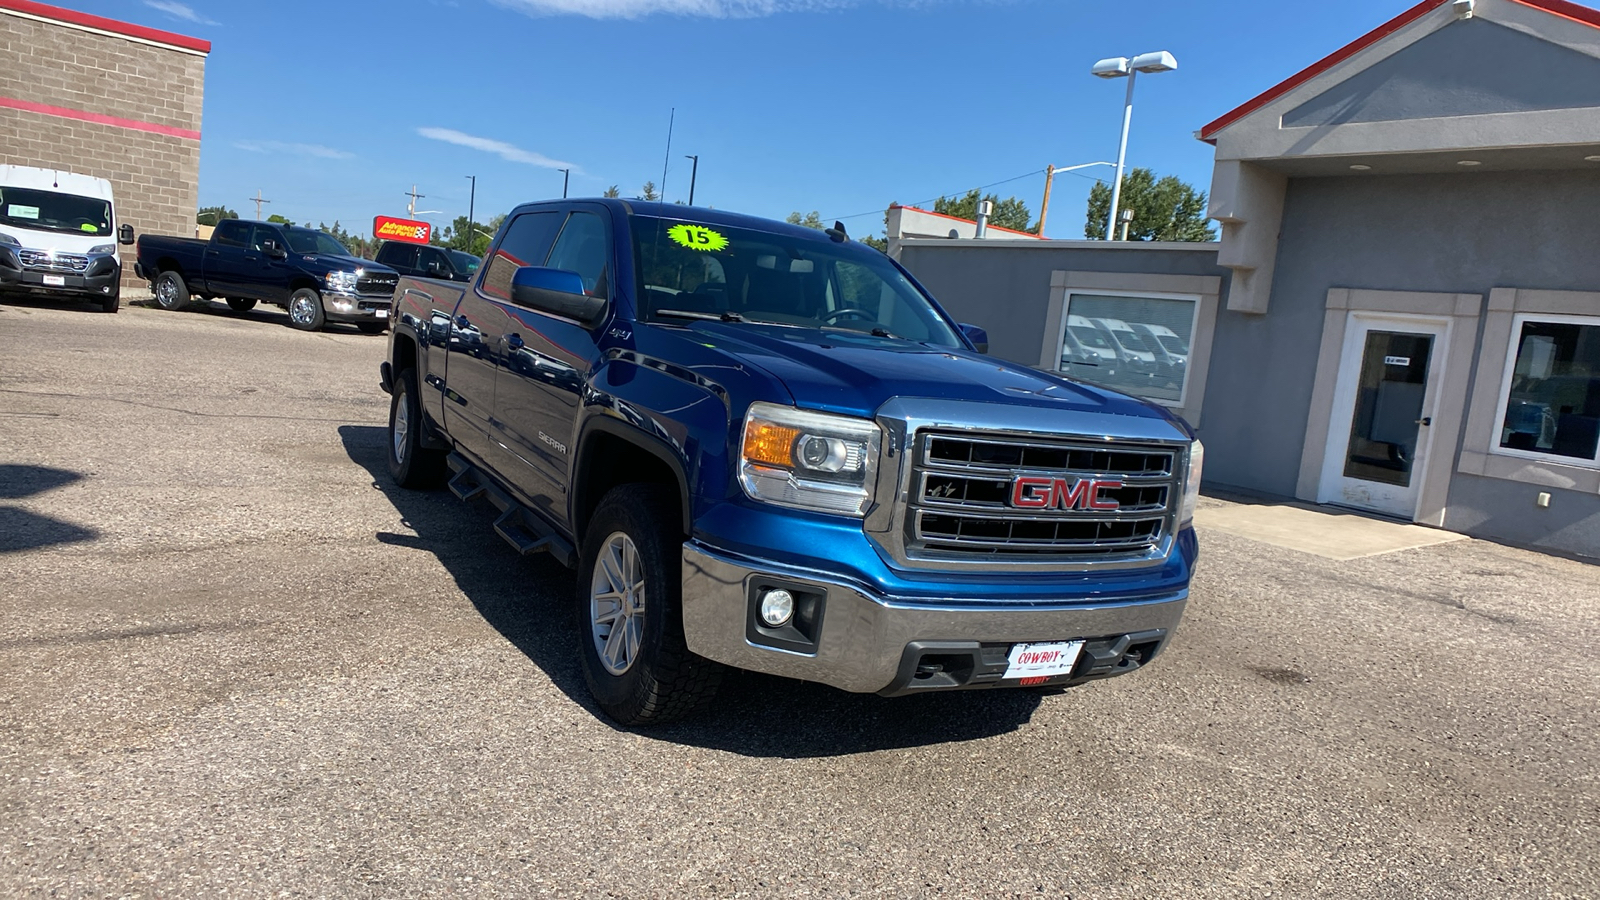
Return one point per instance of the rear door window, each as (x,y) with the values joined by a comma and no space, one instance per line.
(232,233)
(527,240)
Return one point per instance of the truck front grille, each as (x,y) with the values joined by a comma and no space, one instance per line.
(55,262)
(964,494)
(375,284)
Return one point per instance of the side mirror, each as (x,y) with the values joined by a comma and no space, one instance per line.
(270,248)
(977,336)
(556,291)
(125,234)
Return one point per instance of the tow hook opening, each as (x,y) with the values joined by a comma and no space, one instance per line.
(958,665)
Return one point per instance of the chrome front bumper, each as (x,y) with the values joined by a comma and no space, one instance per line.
(867,643)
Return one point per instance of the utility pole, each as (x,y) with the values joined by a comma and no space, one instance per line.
(1044,207)
(411,207)
(693,175)
(566,179)
(259,201)
(472,201)
(670,122)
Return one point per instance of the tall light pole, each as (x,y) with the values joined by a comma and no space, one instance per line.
(472,202)
(694,173)
(566,178)
(1123,67)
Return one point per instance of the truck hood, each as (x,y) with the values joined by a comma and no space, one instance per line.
(61,242)
(335,262)
(855,373)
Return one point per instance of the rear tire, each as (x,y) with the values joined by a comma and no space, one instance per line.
(241,304)
(411,464)
(170,291)
(630,612)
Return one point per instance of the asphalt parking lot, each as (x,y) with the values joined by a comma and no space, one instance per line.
(234,661)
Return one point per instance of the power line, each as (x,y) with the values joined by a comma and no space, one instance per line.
(985,187)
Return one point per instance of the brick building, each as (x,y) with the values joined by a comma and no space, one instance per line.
(109,99)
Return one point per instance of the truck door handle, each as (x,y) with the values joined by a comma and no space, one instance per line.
(515,341)
(1425,421)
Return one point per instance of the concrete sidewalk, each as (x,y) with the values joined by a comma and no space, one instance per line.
(1325,531)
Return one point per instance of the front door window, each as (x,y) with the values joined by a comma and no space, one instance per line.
(1390,392)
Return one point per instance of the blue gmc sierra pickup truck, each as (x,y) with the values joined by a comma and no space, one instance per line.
(767,447)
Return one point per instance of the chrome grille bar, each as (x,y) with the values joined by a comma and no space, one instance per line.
(60,262)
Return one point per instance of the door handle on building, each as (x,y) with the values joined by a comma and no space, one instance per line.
(1425,421)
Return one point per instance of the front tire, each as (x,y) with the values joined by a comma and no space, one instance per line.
(634,657)
(170,292)
(305,310)
(112,303)
(411,464)
(241,304)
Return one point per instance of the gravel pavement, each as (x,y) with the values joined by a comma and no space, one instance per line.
(235,661)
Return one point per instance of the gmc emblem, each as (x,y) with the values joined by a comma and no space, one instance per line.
(1034,492)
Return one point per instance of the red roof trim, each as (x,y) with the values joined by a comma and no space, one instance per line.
(1563,8)
(1566,10)
(100,23)
(62,112)
(1322,65)
(1026,234)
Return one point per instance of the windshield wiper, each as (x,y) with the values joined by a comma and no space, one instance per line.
(694,314)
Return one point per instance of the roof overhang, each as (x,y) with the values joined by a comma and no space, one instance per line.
(71,18)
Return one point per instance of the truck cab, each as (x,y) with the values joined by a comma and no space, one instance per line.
(767,447)
(59,236)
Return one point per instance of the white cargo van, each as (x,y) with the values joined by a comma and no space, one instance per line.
(58,236)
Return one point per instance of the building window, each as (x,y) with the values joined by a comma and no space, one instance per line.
(1551,399)
(1134,343)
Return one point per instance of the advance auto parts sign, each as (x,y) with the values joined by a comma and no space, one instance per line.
(389,228)
(697,237)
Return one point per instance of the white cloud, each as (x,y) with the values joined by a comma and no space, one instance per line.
(177,10)
(634,9)
(502,149)
(316,150)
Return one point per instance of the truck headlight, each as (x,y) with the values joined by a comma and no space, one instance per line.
(340,281)
(1191,484)
(103,250)
(809,460)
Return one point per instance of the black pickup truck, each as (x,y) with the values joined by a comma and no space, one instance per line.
(303,270)
(426,261)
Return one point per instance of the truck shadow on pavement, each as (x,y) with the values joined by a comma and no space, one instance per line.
(529,601)
(21,529)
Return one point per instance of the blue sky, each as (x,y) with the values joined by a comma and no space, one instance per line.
(334,109)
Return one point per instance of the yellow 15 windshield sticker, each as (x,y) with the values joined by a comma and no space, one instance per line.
(697,237)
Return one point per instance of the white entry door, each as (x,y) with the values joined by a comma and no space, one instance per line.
(1383,407)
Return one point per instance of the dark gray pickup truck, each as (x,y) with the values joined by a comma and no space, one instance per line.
(303,270)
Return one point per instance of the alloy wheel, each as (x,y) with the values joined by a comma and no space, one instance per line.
(616,603)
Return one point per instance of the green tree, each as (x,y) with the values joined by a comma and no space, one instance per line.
(648,192)
(1008,213)
(877,243)
(357,245)
(279,220)
(211,215)
(811,219)
(1163,210)
(612,192)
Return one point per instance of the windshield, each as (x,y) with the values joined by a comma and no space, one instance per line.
(306,241)
(53,211)
(1173,344)
(689,270)
(1130,340)
(466,263)
(1091,337)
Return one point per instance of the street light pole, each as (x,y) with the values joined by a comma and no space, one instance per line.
(1123,67)
(694,173)
(566,178)
(1122,157)
(472,202)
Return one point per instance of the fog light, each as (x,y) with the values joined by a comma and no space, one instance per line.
(344,305)
(777,608)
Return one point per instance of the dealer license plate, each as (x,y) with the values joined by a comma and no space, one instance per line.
(381,313)
(1042,660)
(55,280)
